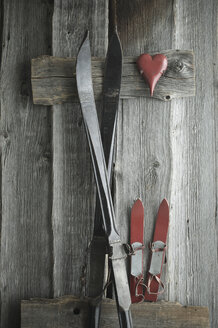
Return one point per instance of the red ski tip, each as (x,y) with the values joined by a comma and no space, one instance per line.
(137,202)
(165,202)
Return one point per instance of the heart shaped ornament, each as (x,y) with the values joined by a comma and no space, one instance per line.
(151,68)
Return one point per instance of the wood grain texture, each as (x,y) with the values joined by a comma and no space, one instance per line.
(215,74)
(163,150)
(53,79)
(26,247)
(73,192)
(143,161)
(169,149)
(193,239)
(1,26)
(1,34)
(71,312)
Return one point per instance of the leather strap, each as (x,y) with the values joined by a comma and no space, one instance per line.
(136,241)
(153,281)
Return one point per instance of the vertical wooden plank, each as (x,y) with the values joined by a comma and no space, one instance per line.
(143,163)
(73,201)
(193,264)
(26,246)
(215,74)
(1,32)
(173,154)
(1,27)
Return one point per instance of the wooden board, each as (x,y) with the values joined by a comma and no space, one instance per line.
(194,262)
(53,79)
(73,182)
(172,147)
(26,234)
(72,312)
(143,161)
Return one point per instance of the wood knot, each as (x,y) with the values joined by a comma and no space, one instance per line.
(178,66)
(152,175)
(76,311)
(47,157)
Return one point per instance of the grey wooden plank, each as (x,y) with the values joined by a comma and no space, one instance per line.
(26,244)
(73,192)
(143,161)
(53,78)
(1,33)
(1,26)
(72,312)
(193,238)
(180,65)
(215,74)
(181,165)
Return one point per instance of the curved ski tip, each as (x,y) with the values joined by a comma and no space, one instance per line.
(137,203)
(165,203)
(115,45)
(85,38)
(115,36)
(86,35)
(137,200)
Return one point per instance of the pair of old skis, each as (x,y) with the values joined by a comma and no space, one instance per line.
(139,289)
(102,159)
(101,144)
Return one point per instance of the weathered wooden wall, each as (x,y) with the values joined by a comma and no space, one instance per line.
(73,194)
(173,146)
(26,233)
(163,150)
(63,312)
(54,78)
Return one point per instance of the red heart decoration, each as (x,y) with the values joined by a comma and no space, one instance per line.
(152,67)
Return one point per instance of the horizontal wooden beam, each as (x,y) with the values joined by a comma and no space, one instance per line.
(69,311)
(53,79)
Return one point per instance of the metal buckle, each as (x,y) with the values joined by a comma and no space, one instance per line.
(157,249)
(136,259)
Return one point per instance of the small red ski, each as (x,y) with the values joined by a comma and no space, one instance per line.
(139,290)
(136,242)
(158,250)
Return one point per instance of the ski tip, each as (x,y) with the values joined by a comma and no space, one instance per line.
(164,210)
(84,51)
(84,59)
(164,206)
(115,45)
(165,202)
(115,36)
(85,39)
(86,36)
(138,202)
(137,207)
